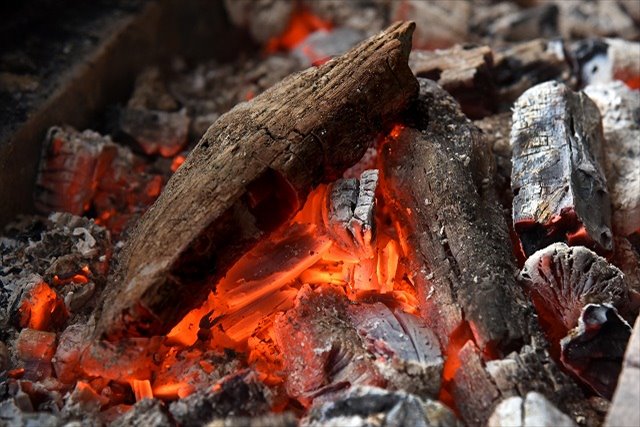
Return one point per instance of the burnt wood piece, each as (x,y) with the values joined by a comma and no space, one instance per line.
(437,180)
(562,279)
(462,71)
(594,349)
(620,109)
(624,407)
(497,133)
(558,184)
(600,60)
(250,173)
(523,65)
(478,386)
(532,410)
(627,259)
(371,406)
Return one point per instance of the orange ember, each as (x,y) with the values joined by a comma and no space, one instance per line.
(177,162)
(141,389)
(633,83)
(301,24)
(42,309)
(459,337)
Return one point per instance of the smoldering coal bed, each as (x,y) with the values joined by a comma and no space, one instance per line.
(342,226)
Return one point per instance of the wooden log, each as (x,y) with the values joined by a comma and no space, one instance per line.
(557,180)
(437,180)
(620,109)
(463,72)
(624,407)
(249,174)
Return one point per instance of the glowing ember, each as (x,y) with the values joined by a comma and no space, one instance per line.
(42,309)
(301,24)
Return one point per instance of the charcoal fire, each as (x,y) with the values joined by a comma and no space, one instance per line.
(558,184)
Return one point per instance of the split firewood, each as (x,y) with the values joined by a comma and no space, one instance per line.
(438,182)
(369,406)
(557,180)
(463,72)
(624,407)
(606,60)
(249,174)
(534,410)
(595,348)
(562,280)
(620,109)
(523,65)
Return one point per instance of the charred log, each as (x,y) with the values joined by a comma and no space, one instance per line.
(558,184)
(249,174)
(438,179)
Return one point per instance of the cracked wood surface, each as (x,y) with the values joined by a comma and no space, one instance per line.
(250,172)
(439,177)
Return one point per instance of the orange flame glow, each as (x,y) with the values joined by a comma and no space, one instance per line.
(141,389)
(42,308)
(301,24)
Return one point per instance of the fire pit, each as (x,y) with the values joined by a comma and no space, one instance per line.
(377,213)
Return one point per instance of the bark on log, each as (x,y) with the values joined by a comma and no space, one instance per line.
(438,182)
(250,173)
(558,184)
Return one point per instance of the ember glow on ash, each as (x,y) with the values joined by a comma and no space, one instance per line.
(301,24)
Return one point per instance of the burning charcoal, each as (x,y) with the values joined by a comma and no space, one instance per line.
(523,65)
(36,349)
(286,419)
(370,406)
(37,306)
(130,358)
(149,412)
(237,192)
(150,92)
(83,402)
(439,24)
(351,208)
(605,60)
(240,394)
(620,108)
(595,348)
(71,345)
(69,170)
(463,72)
(157,132)
(407,352)
(532,411)
(437,181)
(563,279)
(559,187)
(322,353)
(624,407)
